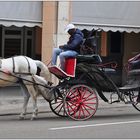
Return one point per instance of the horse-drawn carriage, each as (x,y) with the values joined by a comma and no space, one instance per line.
(84,78)
(82,81)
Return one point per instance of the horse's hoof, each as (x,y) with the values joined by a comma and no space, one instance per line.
(21,117)
(33,118)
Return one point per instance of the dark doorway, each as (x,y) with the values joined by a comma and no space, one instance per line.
(115,47)
(115,52)
(115,44)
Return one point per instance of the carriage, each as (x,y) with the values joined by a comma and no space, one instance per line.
(84,79)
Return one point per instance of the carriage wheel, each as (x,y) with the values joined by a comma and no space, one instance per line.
(133,97)
(81,102)
(57,106)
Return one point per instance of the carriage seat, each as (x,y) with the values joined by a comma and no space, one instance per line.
(90,59)
(134,72)
(70,66)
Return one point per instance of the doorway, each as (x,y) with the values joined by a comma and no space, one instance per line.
(115,52)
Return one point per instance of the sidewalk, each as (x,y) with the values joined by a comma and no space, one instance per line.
(11,102)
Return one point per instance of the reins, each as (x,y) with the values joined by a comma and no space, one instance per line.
(18,77)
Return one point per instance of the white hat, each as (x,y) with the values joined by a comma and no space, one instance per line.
(68,27)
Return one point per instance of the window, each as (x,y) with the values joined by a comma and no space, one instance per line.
(16,41)
(12,47)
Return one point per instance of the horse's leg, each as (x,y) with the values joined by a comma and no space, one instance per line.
(33,94)
(26,99)
(34,100)
(24,109)
(35,108)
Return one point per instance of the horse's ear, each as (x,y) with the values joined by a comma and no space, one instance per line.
(85,32)
(38,71)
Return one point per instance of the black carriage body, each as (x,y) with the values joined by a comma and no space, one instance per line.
(95,77)
(91,76)
(133,79)
(105,79)
(95,59)
(90,65)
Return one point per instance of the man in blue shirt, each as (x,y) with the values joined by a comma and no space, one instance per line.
(71,49)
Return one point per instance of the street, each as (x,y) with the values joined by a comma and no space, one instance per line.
(110,122)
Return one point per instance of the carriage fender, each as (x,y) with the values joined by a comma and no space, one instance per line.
(100,93)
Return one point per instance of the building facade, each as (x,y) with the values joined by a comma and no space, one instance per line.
(33,28)
(20,25)
(120,24)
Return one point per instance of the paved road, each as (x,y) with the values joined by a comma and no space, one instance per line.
(119,122)
(110,121)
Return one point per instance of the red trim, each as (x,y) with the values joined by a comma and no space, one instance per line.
(112,64)
(70,65)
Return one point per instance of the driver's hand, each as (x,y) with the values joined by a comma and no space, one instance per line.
(61,46)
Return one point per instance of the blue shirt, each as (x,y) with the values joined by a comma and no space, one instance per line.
(75,41)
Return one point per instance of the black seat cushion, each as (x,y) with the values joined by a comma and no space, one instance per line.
(91,59)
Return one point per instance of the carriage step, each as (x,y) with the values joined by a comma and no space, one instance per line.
(116,101)
(128,88)
(129,102)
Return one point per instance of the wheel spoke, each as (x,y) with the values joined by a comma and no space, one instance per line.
(60,109)
(86,110)
(89,99)
(72,109)
(88,96)
(83,111)
(79,113)
(58,106)
(89,107)
(93,103)
(84,93)
(57,102)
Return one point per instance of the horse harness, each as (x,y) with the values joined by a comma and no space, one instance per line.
(13,60)
(18,75)
(29,67)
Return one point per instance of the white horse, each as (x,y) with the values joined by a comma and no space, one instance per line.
(24,67)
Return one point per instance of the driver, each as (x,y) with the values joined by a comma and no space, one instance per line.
(71,49)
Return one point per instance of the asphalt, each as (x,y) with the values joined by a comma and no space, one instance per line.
(11,102)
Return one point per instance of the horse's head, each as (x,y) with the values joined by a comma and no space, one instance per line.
(42,70)
(90,39)
(88,33)
(42,87)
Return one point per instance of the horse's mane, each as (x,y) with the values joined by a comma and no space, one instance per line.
(42,66)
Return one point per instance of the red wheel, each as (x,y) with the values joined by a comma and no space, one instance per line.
(81,102)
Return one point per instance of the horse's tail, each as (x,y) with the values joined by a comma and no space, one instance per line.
(44,68)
